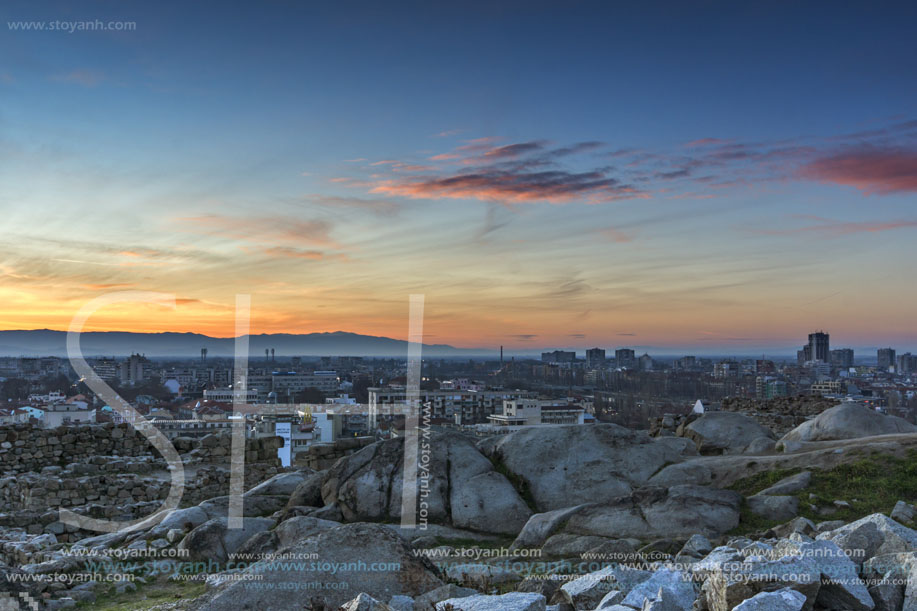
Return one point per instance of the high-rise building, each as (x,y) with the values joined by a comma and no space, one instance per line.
(595,357)
(841,358)
(818,346)
(907,363)
(625,357)
(886,358)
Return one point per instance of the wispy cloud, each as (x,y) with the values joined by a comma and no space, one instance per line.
(514,186)
(830,228)
(86,78)
(869,169)
(260,229)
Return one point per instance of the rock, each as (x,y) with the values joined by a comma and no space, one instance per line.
(690,472)
(566,545)
(607,586)
(401,603)
(541,526)
(215,541)
(653,513)
(308,492)
(697,546)
(789,485)
(364,602)
(903,512)
(774,507)
(759,446)
(181,519)
(338,548)
(609,462)
(514,601)
(678,586)
(367,485)
(785,599)
(803,526)
(253,505)
(848,421)
(819,570)
(282,484)
(725,432)
(871,536)
(481,576)
(888,595)
(290,531)
(427,601)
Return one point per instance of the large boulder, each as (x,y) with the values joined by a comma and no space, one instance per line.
(848,421)
(562,466)
(725,432)
(820,571)
(874,535)
(368,558)
(463,487)
(648,513)
(215,541)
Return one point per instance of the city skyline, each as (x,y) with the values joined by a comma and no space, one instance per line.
(723,178)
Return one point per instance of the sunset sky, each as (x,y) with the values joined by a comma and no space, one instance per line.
(694,175)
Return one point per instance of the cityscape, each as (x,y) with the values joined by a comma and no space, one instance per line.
(476,306)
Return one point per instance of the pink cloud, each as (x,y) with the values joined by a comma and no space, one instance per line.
(871,170)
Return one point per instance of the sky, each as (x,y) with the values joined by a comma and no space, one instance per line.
(698,176)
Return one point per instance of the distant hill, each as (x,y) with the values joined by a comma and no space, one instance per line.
(44,342)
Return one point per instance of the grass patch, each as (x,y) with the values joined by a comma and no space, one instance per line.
(146,596)
(871,485)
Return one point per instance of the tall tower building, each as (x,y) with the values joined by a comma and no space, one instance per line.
(819,347)
(886,357)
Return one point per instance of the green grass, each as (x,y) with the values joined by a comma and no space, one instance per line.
(871,485)
(146,596)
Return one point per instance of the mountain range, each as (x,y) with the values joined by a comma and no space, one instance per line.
(45,342)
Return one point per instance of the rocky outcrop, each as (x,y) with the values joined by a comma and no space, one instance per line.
(463,488)
(561,466)
(848,421)
(725,432)
(649,513)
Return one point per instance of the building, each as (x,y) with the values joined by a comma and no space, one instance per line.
(228,395)
(287,383)
(462,407)
(886,358)
(130,371)
(646,363)
(841,358)
(558,356)
(819,346)
(625,357)
(826,387)
(595,357)
(518,413)
(65,414)
(907,363)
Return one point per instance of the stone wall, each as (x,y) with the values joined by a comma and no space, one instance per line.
(25,448)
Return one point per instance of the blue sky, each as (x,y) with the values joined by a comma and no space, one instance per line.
(669,174)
